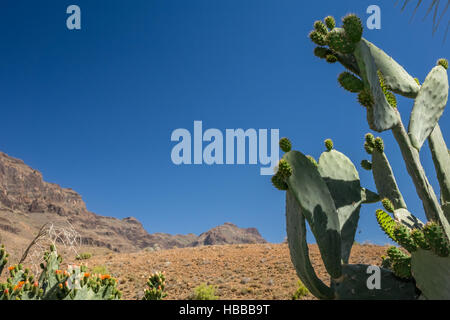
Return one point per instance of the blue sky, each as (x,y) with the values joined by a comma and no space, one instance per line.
(94,109)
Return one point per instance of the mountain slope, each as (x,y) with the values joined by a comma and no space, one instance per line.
(27,202)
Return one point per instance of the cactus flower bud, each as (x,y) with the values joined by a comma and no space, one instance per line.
(443,63)
(329,144)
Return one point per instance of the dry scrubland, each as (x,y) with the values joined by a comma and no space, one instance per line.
(257,271)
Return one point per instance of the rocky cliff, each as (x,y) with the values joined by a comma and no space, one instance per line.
(27,202)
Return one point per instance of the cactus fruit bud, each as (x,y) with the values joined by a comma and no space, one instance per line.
(366,164)
(314,162)
(285,144)
(331,58)
(386,223)
(390,97)
(284,169)
(353,27)
(365,98)
(320,27)
(330,22)
(443,63)
(350,83)
(338,41)
(368,147)
(370,139)
(329,144)
(387,204)
(52,248)
(436,238)
(322,52)
(379,145)
(279,183)
(318,38)
(419,239)
(404,238)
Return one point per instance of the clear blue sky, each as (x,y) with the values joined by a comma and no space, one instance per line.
(94,109)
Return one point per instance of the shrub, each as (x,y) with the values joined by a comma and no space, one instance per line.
(83,256)
(204,292)
(301,292)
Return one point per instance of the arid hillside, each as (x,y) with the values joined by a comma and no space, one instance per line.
(27,202)
(252,271)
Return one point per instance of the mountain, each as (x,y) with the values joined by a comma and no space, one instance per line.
(27,202)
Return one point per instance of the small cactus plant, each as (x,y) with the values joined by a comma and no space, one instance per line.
(55,284)
(156,285)
(328,195)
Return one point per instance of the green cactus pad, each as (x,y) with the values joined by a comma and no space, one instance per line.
(311,158)
(431,274)
(342,179)
(317,205)
(385,180)
(353,285)
(388,206)
(441,160)
(322,52)
(365,98)
(386,223)
(368,196)
(349,62)
(298,247)
(284,169)
(436,238)
(366,165)
(395,76)
(318,38)
(350,83)
(320,27)
(419,239)
(330,22)
(391,99)
(279,182)
(331,58)
(329,144)
(285,144)
(353,27)
(383,116)
(443,63)
(429,106)
(403,237)
(338,41)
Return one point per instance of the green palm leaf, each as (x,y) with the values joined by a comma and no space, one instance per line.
(440,8)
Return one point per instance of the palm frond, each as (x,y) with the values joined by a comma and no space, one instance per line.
(440,8)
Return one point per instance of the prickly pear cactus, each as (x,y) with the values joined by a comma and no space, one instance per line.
(55,284)
(328,195)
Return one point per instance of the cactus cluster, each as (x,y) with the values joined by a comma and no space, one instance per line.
(75,283)
(156,285)
(328,195)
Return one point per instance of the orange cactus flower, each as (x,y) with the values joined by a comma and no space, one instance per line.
(105,276)
(60,285)
(87,275)
(11,268)
(19,285)
(36,284)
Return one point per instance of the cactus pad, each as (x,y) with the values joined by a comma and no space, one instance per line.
(429,106)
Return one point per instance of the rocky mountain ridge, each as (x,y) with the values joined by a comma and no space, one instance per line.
(27,202)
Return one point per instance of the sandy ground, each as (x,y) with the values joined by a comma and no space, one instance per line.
(262,271)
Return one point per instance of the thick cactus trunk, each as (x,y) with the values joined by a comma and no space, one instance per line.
(424,189)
